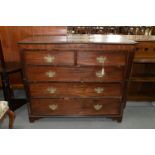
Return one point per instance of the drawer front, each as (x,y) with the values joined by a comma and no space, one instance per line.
(52,90)
(86,74)
(99,58)
(49,57)
(75,107)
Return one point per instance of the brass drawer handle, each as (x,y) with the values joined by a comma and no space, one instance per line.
(51,90)
(97,107)
(49,58)
(100,73)
(101,59)
(53,107)
(51,74)
(99,90)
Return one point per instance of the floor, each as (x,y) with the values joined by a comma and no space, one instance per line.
(137,115)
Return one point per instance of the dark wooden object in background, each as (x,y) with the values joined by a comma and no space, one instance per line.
(142,83)
(5,70)
(120,30)
(84,83)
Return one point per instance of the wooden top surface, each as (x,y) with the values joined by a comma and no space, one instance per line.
(92,39)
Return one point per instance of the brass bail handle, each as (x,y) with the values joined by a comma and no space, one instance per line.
(51,90)
(101,59)
(49,58)
(53,107)
(100,73)
(99,90)
(51,74)
(97,107)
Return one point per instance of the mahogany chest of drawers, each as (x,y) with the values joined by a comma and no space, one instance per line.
(76,76)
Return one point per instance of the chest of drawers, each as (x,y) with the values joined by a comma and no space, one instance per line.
(67,77)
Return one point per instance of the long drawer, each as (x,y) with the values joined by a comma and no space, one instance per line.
(51,90)
(100,58)
(49,57)
(75,107)
(86,74)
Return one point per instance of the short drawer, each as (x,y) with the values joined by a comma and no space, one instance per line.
(61,107)
(52,90)
(100,58)
(67,74)
(49,57)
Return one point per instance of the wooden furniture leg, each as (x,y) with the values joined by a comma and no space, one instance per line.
(11,115)
(118,119)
